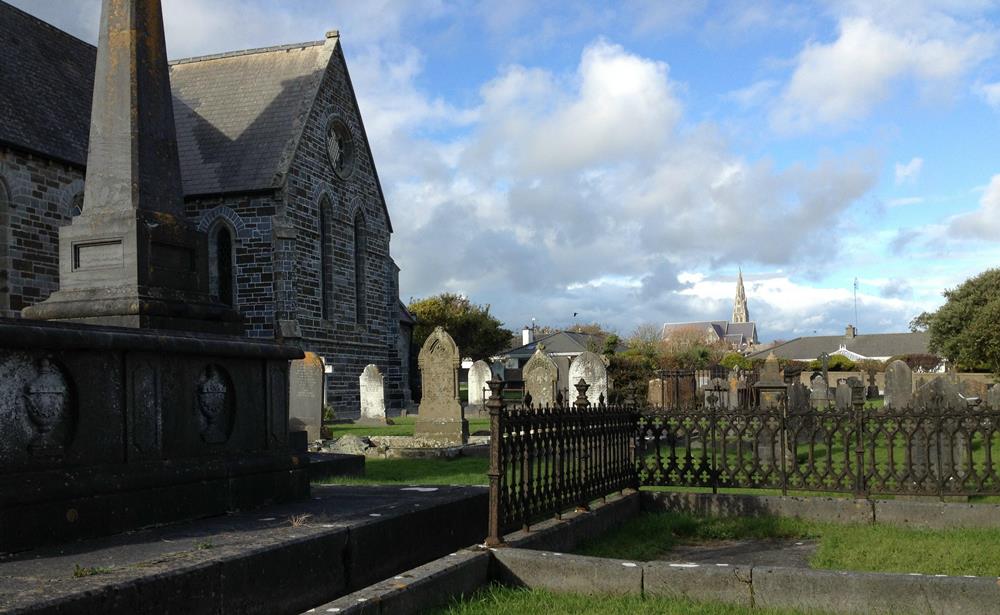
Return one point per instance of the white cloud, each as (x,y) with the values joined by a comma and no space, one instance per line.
(909,172)
(840,82)
(983,223)
(989,92)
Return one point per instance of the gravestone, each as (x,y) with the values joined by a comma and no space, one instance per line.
(717,394)
(735,385)
(898,385)
(773,393)
(654,393)
(305,396)
(440,416)
(540,378)
(590,367)
(939,438)
(479,374)
(372,389)
(872,391)
(819,392)
(993,397)
(843,396)
(972,388)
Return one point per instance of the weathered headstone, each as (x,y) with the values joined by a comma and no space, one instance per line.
(735,384)
(654,393)
(716,394)
(993,397)
(540,377)
(843,396)
(973,388)
(305,396)
(937,437)
(898,385)
(372,390)
(819,392)
(872,391)
(590,367)
(479,374)
(773,392)
(440,416)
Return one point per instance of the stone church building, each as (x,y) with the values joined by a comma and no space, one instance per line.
(276,168)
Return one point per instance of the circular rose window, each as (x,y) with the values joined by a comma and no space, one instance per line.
(340,147)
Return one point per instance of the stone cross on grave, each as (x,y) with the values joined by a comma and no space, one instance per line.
(824,359)
(131,258)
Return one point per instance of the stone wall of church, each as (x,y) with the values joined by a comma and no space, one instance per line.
(249,221)
(326,300)
(36,198)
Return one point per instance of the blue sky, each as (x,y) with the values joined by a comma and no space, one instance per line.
(623,160)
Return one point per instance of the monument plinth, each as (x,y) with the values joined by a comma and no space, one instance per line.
(156,418)
(131,258)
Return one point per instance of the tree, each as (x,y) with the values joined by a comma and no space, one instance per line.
(478,334)
(690,348)
(964,329)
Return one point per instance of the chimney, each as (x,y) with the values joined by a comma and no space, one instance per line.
(527,335)
(850,333)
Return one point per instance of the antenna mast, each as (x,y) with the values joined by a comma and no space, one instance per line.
(855,303)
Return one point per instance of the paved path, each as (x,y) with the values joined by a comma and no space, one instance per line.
(765,552)
(48,573)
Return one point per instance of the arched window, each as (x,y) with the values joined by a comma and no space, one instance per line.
(221,273)
(360,251)
(325,258)
(76,207)
(4,251)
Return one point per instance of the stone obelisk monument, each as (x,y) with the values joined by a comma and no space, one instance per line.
(131,258)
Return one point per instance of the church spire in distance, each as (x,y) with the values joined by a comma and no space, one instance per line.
(740,311)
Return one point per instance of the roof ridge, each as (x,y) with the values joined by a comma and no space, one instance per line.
(46,24)
(246,52)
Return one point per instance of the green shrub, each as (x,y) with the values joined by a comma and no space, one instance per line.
(735,360)
(918,361)
(838,363)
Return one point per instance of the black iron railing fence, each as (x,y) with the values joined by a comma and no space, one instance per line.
(546,460)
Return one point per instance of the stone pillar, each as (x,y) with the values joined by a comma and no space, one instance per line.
(132,259)
(440,416)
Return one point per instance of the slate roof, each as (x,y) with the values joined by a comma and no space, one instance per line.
(239,115)
(736,333)
(46,87)
(560,342)
(872,345)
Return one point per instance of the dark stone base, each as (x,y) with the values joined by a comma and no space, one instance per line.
(328,465)
(446,431)
(58,506)
(104,430)
(134,309)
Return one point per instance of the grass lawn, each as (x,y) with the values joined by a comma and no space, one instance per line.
(403,427)
(878,548)
(460,471)
(509,601)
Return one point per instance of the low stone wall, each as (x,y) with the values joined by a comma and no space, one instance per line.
(880,378)
(752,586)
(912,513)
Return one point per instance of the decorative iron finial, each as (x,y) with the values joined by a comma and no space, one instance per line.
(581,398)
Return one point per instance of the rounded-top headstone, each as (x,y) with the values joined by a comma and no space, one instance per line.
(540,377)
(590,367)
(372,391)
(479,374)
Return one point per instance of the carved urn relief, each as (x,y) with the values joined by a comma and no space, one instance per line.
(48,404)
(215,404)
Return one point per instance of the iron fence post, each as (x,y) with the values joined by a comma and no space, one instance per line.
(860,489)
(783,442)
(496,407)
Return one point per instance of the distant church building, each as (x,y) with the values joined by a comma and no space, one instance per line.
(276,169)
(740,334)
